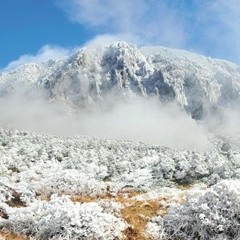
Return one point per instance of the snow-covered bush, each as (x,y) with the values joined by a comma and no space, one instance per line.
(71,182)
(29,158)
(154,229)
(62,219)
(214,214)
(5,194)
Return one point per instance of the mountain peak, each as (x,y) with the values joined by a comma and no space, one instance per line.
(197,83)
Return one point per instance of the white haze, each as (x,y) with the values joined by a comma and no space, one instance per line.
(225,124)
(44,54)
(135,119)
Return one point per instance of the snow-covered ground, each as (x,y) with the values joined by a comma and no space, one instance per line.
(184,184)
(41,175)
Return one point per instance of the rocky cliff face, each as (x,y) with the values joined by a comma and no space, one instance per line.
(197,83)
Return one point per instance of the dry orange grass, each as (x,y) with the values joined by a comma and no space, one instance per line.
(6,235)
(137,215)
(135,212)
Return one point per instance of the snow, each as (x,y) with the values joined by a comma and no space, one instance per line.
(213,214)
(36,165)
(60,218)
(40,173)
(69,163)
(198,84)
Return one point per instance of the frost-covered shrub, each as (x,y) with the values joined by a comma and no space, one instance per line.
(215,214)
(154,229)
(30,157)
(62,219)
(35,163)
(5,194)
(72,182)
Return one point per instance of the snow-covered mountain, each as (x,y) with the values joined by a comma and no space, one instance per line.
(83,187)
(198,84)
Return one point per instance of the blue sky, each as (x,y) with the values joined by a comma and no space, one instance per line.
(28,25)
(35,30)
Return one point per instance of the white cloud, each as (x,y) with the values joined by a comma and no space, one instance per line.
(46,53)
(137,119)
(221,21)
(119,15)
(208,26)
(152,21)
(106,39)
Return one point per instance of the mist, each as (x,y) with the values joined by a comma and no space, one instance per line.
(225,124)
(136,119)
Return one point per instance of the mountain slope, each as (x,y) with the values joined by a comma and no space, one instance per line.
(198,84)
(83,187)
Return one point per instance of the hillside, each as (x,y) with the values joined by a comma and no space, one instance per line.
(120,142)
(197,83)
